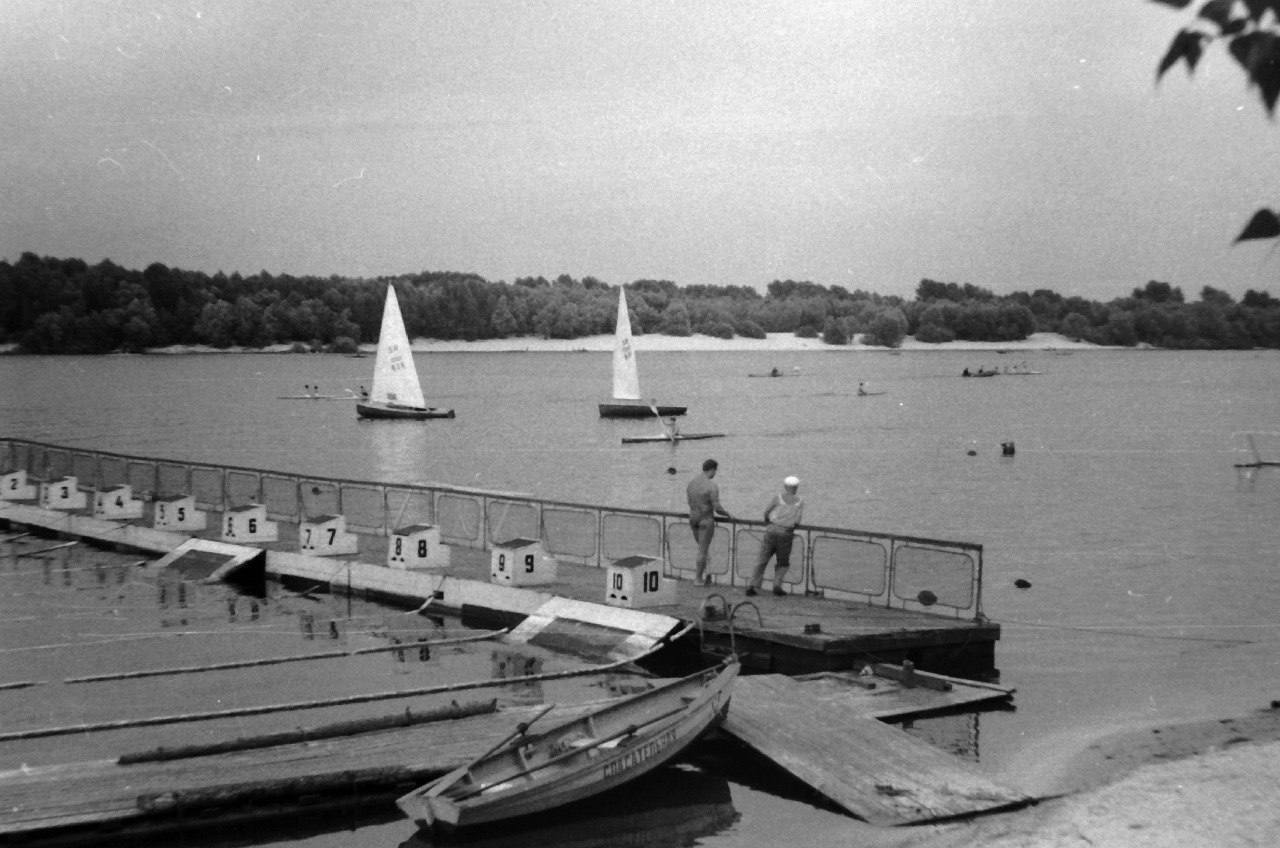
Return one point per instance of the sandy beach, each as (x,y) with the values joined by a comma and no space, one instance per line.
(772,343)
(1206,784)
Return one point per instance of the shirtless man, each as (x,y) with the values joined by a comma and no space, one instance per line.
(704,505)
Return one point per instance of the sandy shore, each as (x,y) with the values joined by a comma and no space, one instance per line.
(773,342)
(1207,784)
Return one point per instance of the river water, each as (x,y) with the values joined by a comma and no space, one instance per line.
(1152,560)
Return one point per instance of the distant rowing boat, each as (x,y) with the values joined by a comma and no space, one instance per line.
(348,396)
(678,437)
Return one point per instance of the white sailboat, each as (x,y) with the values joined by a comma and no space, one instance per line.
(626,376)
(396,391)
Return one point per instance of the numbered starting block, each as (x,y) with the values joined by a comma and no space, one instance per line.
(62,494)
(249,524)
(15,487)
(417,546)
(521,562)
(636,582)
(178,512)
(326,535)
(117,504)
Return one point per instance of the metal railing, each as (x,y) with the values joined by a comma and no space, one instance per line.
(879,568)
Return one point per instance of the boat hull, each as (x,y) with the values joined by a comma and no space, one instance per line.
(635,409)
(407,413)
(578,759)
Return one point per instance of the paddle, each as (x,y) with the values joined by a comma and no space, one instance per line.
(629,730)
(521,729)
(442,783)
(653,404)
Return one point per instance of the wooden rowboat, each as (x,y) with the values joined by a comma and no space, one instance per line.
(532,773)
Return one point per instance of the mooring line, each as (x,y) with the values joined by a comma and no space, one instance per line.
(323,655)
(1130,633)
(37,551)
(182,718)
(78,569)
(21,684)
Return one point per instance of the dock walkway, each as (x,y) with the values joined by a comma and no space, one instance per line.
(822,728)
(794,634)
(827,737)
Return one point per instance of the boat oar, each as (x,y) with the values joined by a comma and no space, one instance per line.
(629,730)
(521,729)
(653,405)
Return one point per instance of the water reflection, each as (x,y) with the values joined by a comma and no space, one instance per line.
(672,806)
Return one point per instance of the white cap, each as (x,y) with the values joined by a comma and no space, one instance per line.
(791,481)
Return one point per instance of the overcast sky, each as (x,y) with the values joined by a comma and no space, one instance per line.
(1013,146)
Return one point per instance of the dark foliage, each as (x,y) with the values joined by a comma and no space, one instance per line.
(50,305)
(1251,32)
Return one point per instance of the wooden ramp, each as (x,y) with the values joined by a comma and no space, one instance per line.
(873,770)
(86,801)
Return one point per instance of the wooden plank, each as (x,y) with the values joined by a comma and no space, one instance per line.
(885,697)
(875,771)
(48,798)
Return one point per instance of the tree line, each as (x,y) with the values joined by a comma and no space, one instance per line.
(50,305)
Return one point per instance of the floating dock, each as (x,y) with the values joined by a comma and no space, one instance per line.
(853,596)
(794,634)
(829,737)
(825,725)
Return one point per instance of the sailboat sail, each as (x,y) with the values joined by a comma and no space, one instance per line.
(395,379)
(626,377)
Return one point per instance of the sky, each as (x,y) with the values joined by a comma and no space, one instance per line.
(1012,146)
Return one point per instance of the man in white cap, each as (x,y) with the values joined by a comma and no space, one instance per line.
(781,516)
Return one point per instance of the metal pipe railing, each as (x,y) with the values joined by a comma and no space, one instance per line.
(878,568)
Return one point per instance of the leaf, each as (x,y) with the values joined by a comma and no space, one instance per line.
(1259,54)
(1186,46)
(1259,7)
(1263,225)
(1218,11)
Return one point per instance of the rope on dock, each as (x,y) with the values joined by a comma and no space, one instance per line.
(349,783)
(37,551)
(21,684)
(326,731)
(152,721)
(115,566)
(346,700)
(324,655)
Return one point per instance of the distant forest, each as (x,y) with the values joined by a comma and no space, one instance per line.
(67,306)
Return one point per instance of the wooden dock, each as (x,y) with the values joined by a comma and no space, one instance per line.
(827,737)
(824,727)
(823,731)
(795,634)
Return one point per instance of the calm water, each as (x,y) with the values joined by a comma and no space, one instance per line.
(1153,562)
